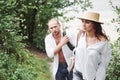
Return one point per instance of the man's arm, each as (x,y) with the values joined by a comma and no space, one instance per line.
(62,42)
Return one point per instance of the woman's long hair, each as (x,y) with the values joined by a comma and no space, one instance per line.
(99,31)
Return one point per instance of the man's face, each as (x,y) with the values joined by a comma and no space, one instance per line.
(54,27)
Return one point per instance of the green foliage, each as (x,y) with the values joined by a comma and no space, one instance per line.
(29,69)
(44,70)
(17,63)
(113,72)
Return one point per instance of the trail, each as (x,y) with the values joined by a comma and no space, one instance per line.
(40,54)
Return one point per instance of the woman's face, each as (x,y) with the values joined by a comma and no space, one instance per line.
(87,25)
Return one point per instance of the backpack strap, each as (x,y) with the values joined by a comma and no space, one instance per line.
(68,43)
(78,36)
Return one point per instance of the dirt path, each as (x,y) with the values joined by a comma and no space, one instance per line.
(37,52)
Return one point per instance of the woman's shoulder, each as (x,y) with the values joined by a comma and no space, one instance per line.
(103,39)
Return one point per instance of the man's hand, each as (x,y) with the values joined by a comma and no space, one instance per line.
(64,40)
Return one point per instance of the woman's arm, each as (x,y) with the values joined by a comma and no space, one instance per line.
(105,58)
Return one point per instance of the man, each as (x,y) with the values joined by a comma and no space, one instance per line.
(55,44)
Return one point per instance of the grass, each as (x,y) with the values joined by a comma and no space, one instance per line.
(44,69)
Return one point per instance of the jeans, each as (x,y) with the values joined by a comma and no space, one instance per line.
(62,73)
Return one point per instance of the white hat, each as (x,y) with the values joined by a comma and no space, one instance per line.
(92,16)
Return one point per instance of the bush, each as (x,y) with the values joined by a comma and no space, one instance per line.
(16,62)
(113,72)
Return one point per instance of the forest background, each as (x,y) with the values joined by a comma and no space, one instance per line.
(24,24)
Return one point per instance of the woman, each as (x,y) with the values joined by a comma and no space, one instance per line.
(93,51)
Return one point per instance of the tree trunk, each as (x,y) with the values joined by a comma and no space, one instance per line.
(31,25)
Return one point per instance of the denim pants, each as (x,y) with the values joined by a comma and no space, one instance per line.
(62,72)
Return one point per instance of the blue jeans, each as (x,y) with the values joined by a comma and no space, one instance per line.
(62,73)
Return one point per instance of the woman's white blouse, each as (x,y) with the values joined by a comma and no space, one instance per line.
(93,60)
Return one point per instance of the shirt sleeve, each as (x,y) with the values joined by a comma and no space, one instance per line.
(105,58)
(49,47)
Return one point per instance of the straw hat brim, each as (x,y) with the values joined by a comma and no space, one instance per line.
(90,20)
(92,16)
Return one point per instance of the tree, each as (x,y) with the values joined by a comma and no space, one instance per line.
(16,62)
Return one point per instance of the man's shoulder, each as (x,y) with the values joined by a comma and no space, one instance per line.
(48,36)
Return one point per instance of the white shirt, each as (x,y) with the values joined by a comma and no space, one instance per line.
(93,60)
(50,45)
